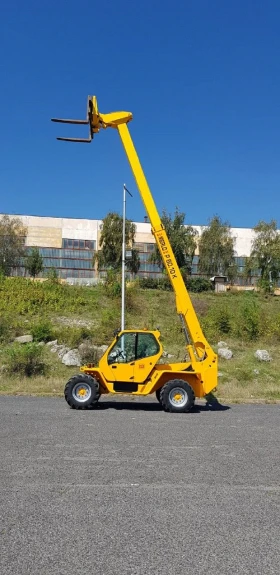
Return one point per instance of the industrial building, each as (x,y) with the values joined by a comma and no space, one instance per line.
(68,245)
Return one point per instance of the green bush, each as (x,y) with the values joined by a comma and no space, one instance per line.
(274,328)
(25,297)
(132,302)
(198,285)
(193,284)
(162,283)
(114,290)
(223,320)
(248,323)
(148,283)
(110,321)
(42,331)
(112,284)
(25,359)
(5,330)
(52,276)
(244,318)
(217,322)
(72,336)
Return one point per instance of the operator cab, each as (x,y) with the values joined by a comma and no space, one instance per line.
(131,346)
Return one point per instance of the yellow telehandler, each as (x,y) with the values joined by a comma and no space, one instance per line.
(130,364)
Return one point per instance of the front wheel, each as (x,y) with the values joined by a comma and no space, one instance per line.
(82,392)
(177,396)
(158,394)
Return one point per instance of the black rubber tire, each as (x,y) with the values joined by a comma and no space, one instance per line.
(158,394)
(164,396)
(73,401)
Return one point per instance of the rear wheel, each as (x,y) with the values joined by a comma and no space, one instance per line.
(177,396)
(82,392)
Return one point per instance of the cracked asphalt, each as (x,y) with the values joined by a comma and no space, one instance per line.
(130,490)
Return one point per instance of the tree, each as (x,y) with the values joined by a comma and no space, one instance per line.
(12,239)
(111,238)
(183,240)
(216,249)
(265,252)
(52,275)
(34,263)
(250,269)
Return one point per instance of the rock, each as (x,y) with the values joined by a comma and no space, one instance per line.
(85,345)
(262,355)
(225,353)
(88,352)
(222,344)
(102,348)
(220,374)
(167,355)
(24,339)
(256,371)
(62,350)
(41,344)
(99,351)
(54,347)
(52,343)
(72,357)
(91,353)
(70,321)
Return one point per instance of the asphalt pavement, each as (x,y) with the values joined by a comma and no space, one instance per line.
(130,490)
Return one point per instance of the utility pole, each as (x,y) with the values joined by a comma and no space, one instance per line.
(125,190)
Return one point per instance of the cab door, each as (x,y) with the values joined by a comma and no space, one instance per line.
(121,359)
(146,356)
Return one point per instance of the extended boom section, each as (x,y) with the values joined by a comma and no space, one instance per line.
(183,302)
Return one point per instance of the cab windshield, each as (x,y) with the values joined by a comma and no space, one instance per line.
(132,346)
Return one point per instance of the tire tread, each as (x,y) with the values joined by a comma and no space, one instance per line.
(95,393)
(164,396)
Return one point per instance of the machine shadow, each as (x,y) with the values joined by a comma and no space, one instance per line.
(154,406)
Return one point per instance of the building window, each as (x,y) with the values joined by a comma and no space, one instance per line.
(69,243)
(89,244)
(144,247)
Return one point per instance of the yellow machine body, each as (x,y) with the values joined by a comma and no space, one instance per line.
(132,372)
(139,374)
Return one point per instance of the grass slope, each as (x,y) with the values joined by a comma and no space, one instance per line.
(72,314)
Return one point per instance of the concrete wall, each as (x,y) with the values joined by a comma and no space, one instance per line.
(243,240)
(44,237)
(48,232)
(79,229)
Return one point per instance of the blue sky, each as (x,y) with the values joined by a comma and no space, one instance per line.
(202,79)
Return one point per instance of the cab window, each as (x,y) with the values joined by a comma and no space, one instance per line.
(124,350)
(147,345)
(132,346)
